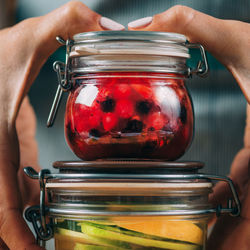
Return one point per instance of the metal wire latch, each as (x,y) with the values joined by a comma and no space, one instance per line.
(62,70)
(202,68)
(37,214)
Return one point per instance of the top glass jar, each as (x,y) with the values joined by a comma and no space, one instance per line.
(127,95)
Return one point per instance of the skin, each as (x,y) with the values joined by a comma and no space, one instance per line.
(18,72)
(229,42)
(23,51)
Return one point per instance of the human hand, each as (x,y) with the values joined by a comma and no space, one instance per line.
(228,41)
(23,50)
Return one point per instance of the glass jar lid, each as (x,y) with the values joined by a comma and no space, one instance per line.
(119,51)
(130,43)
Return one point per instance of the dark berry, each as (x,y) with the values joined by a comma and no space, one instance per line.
(143,107)
(151,129)
(134,126)
(183,114)
(108,105)
(94,133)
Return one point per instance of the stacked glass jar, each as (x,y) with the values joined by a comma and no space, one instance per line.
(127,99)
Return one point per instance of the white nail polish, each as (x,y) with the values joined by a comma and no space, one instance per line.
(140,22)
(109,24)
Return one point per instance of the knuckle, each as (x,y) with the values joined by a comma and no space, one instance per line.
(183,15)
(178,17)
(70,9)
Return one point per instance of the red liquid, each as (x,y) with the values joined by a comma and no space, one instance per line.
(129,115)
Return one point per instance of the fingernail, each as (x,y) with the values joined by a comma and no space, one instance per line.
(140,22)
(109,24)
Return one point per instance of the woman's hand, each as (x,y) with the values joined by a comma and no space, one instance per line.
(23,50)
(229,42)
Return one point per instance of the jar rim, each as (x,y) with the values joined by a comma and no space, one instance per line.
(131,35)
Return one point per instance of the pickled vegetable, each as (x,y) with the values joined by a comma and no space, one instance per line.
(119,233)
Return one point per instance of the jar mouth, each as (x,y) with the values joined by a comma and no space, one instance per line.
(131,35)
(112,51)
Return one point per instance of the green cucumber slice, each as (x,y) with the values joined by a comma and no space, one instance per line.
(79,246)
(89,239)
(124,235)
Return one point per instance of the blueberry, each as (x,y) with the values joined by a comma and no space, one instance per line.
(134,126)
(94,133)
(108,105)
(143,107)
(183,114)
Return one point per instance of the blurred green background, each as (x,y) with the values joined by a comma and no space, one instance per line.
(218,102)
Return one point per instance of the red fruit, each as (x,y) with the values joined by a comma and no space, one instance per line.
(95,118)
(142,90)
(122,91)
(104,93)
(124,108)
(109,121)
(156,121)
(80,118)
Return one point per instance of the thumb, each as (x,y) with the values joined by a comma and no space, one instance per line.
(196,26)
(219,37)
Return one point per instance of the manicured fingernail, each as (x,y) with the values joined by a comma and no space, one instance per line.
(140,22)
(109,24)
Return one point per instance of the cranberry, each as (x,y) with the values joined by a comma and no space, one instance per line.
(95,118)
(156,121)
(122,91)
(142,90)
(109,121)
(80,121)
(124,108)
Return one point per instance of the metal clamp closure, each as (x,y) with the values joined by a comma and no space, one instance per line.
(37,214)
(32,214)
(64,83)
(202,66)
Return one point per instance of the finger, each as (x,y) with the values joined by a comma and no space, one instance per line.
(11,219)
(26,130)
(247,129)
(33,41)
(221,194)
(196,26)
(240,171)
(20,236)
(70,19)
(220,37)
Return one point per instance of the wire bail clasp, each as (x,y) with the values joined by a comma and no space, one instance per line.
(202,67)
(37,214)
(64,83)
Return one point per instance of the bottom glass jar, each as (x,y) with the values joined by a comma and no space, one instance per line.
(127,205)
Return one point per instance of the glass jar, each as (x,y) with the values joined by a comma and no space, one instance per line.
(127,205)
(127,95)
